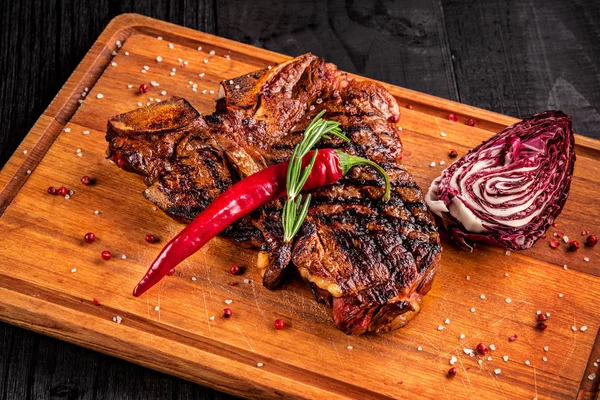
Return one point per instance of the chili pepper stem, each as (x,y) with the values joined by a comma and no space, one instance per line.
(348,161)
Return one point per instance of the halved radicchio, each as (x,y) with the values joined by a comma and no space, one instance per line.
(508,190)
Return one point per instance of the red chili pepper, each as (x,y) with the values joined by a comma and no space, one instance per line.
(241,199)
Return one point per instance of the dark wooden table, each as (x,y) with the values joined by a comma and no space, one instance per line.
(512,57)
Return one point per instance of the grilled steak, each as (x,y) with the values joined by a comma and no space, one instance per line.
(371,261)
(169,144)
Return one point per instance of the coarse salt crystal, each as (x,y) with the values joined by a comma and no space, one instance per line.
(96,212)
(114,53)
(157,308)
(123,257)
(566,239)
(205,61)
(544,359)
(114,64)
(492,347)
(199,48)
(67,197)
(479,362)
(468,278)
(117,319)
(158,59)
(583,328)
(269,67)
(171,45)
(419,348)
(538,312)
(468,352)
(497,371)
(506,274)
(146,67)
(560,295)
(86,132)
(443,134)
(67,130)
(238,86)
(118,43)
(140,104)
(159,37)
(99,96)
(126,53)
(565,267)
(490,358)
(432,164)
(592,376)
(442,162)
(78,150)
(447,321)
(473,309)
(163,93)
(574,328)
(586,259)
(212,92)
(259,365)
(440,327)
(505,358)
(508,300)
(349,347)
(24,151)
(212,52)
(453,360)
(228,301)
(179,60)
(212,318)
(482,297)
(194,278)
(143,71)
(172,73)
(462,336)
(507,252)
(79,154)
(129,86)
(74,270)
(546,348)
(527,362)
(28,171)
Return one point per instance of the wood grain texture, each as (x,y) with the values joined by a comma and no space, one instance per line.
(310,358)
(534,55)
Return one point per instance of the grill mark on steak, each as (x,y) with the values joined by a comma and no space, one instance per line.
(371,261)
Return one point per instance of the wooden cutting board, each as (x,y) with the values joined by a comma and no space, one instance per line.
(49,276)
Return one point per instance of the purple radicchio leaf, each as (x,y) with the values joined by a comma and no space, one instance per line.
(508,190)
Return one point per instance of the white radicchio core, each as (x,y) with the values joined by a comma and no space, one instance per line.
(508,190)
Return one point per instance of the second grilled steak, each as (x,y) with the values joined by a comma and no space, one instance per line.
(371,261)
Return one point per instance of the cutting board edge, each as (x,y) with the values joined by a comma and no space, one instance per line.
(64,105)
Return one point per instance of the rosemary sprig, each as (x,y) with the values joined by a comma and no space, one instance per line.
(294,210)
